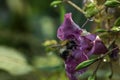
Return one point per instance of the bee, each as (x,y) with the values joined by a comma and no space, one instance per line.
(66,49)
(64,53)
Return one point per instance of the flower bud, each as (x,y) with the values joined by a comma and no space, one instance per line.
(91,10)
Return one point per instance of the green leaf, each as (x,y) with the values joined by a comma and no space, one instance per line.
(13,61)
(91,77)
(55,3)
(86,64)
(117,22)
(101,30)
(112,3)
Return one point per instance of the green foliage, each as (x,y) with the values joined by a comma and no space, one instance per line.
(13,61)
(112,3)
(85,64)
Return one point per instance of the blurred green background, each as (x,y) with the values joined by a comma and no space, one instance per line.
(24,26)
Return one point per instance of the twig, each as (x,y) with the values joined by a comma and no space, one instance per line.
(74,5)
(85,23)
(102,56)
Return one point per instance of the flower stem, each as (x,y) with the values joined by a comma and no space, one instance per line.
(74,5)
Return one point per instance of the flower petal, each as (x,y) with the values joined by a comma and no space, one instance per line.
(84,43)
(69,29)
(70,64)
(91,37)
(98,47)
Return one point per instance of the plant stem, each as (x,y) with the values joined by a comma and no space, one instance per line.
(85,23)
(102,56)
(95,71)
(74,5)
(110,76)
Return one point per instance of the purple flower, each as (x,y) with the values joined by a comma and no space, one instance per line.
(86,45)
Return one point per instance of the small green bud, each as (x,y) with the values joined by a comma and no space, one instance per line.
(112,3)
(91,10)
(85,64)
(55,3)
(49,42)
